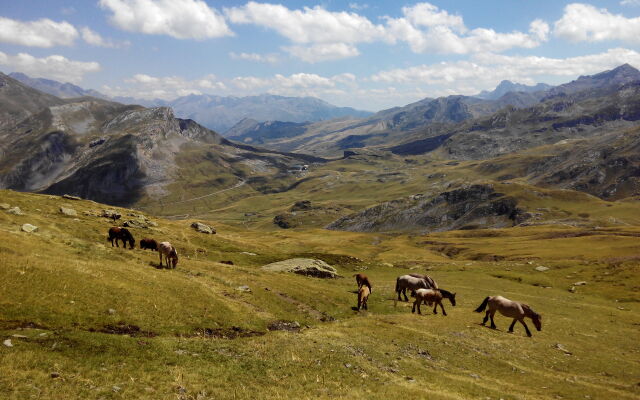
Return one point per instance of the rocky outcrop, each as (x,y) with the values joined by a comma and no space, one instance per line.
(474,206)
(203,228)
(303,266)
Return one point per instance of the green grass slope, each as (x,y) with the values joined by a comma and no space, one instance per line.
(89,321)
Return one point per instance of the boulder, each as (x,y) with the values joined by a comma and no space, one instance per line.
(70,197)
(303,266)
(15,211)
(29,228)
(203,228)
(5,206)
(302,205)
(541,268)
(111,214)
(68,211)
(136,223)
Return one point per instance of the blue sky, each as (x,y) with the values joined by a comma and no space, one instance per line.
(368,55)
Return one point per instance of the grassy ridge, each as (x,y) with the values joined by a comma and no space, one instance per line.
(192,335)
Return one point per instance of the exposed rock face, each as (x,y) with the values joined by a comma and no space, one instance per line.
(302,205)
(68,211)
(203,228)
(303,266)
(465,208)
(29,228)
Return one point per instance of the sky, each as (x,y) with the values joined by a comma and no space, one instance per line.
(366,55)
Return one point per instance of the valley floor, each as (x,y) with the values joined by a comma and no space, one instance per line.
(82,320)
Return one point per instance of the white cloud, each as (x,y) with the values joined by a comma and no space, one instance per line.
(41,33)
(95,39)
(632,3)
(425,14)
(67,10)
(145,86)
(321,35)
(262,58)
(309,25)
(322,52)
(53,67)
(584,22)
(181,19)
(447,34)
(485,71)
(358,6)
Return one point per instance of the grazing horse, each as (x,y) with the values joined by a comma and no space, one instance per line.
(363,297)
(362,279)
(169,252)
(427,278)
(509,308)
(428,296)
(147,243)
(116,233)
(412,283)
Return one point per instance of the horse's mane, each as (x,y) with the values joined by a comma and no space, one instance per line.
(173,252)
(528,308)
(445,293)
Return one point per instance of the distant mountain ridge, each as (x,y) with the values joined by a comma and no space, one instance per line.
(55,88)
(215,112)
(221,113)
(507,86)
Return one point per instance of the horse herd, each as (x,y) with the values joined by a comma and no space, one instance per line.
(426,291)
(422,287)
(163,248)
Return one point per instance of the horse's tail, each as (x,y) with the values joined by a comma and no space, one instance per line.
(483,305)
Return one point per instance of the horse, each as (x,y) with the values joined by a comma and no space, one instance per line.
(412,283)
(363,297)
(509,308)
(147,243)
(428,296)
(362,279)
(169,252)
(116,233)
(427,278)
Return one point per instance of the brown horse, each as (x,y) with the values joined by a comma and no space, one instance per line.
(433,296)
(116,233)
(363,297)
(412,283)
(362,279)
(512,309)
(169,252)
(147,243)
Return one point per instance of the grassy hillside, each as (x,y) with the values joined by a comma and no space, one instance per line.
(89,321)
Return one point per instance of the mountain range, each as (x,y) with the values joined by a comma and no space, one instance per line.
(582,136)
(116,153)
(218,113)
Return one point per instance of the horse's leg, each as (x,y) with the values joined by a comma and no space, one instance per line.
(419,311)
(160,253)
(512,325)
(441,306)
(413,309)
(404,292)
(493,324)
(526,328)
(486,317)
(435,307)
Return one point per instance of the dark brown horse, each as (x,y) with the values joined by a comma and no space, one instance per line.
(147,243)
(116,233)
(362,279)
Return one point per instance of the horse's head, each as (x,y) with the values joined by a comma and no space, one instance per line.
(537,321)
(132,243)
(449,295)
(174,257)
(535,317)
